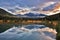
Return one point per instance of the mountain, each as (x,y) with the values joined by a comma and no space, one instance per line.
(30,15)
(4,13)
(53,17)
(36,14)
(27,15)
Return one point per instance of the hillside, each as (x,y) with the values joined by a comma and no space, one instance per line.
(3,12)
(53,17)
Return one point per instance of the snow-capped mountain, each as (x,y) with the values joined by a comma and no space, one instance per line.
(32,15)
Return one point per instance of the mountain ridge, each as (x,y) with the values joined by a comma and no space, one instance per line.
(51,17)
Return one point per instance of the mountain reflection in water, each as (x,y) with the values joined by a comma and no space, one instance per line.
(29,32)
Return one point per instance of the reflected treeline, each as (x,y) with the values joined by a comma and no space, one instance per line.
(6,25)
(52,24)
(58,31)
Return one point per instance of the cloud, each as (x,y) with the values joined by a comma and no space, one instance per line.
(46,4)
(21,5)
(23,11)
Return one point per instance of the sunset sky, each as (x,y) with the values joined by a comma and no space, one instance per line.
(13,5)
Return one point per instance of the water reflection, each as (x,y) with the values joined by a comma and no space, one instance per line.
(35,26)
(28,32)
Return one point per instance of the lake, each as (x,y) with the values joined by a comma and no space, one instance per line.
(27,32)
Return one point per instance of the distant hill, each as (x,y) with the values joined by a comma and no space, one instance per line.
(53,17)
(4,15)
(34,14)
(31,15)
(3,12)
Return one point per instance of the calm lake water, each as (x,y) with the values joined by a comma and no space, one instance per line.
(28,32)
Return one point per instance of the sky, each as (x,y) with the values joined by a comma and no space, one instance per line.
(25,3)
(16,4)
